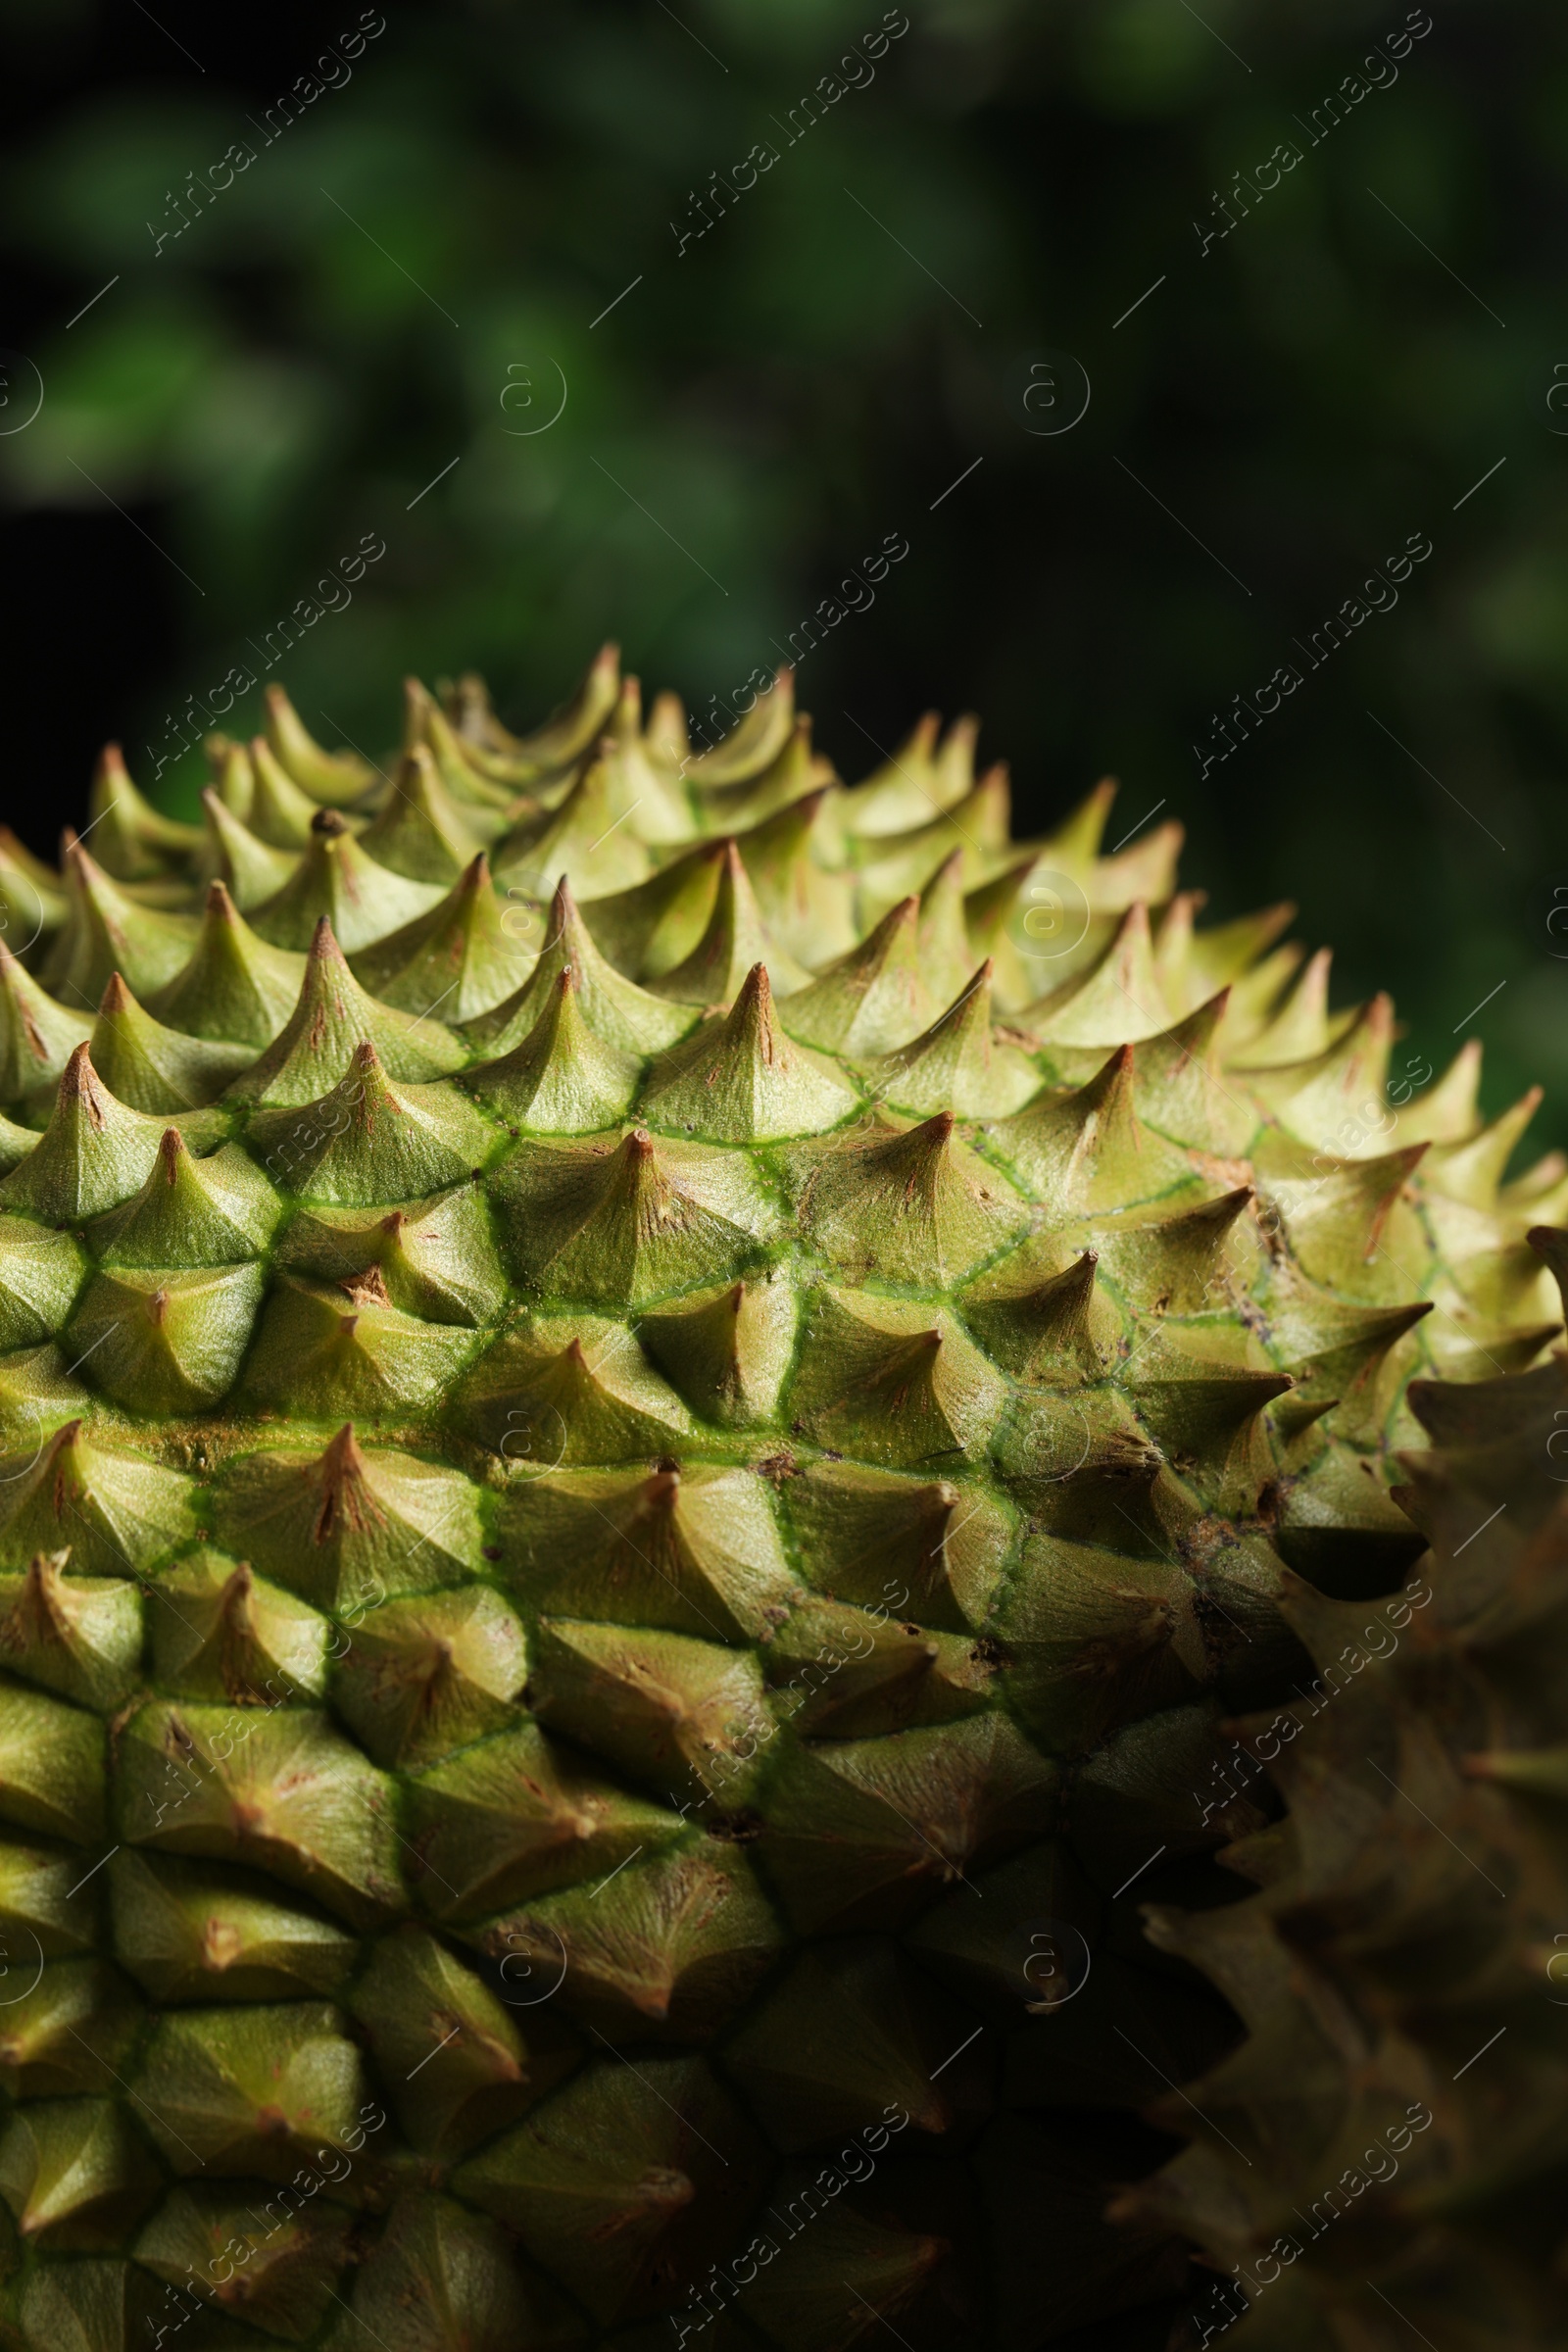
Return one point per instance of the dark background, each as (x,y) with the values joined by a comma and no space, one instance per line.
(1376,334)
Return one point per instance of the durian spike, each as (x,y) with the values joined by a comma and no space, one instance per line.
(909,1206)
(1074,845)
(615,1008)
(436,1258)
(1087,1150)
(280,813)
(735,941)
(728,1351)
(1299,1027)
(586,840)
(95,1152)
(647,930)
(568,733)
(417,703)
(1219,956)
(954,761)
(331,1017)
(665,735)
(105,931)
(226,1634)
(1335,1100)
(370,1141)
(905,790)
(1173,930)
(80,1636)
(563,1078)
(338,778)
(32,905)
(419,831)
(1034,920)
(1146,871)
(251,870)
(873,999)
(488,788)
(37,1036)
(1471,1170)
(233,779)
(738,1078)
(1256,996)
(337,879)
(133,840)
(1450,1110)
(947,958)
(1119,998)
(153,1069)
(809,910)
(655,804)
(959,1064)
(458,960)
(191,1213)
(754,742)
(796,771)
(625,1221)
(234,984)
(976,829)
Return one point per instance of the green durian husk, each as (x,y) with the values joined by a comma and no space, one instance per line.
(661,1423)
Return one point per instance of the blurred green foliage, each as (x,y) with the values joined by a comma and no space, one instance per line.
(755,411)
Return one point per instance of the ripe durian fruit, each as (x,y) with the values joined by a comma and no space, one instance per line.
(1383,2160)
(652,1410)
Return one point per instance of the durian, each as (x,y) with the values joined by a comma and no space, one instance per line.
(1382,2159)
(654,1412)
